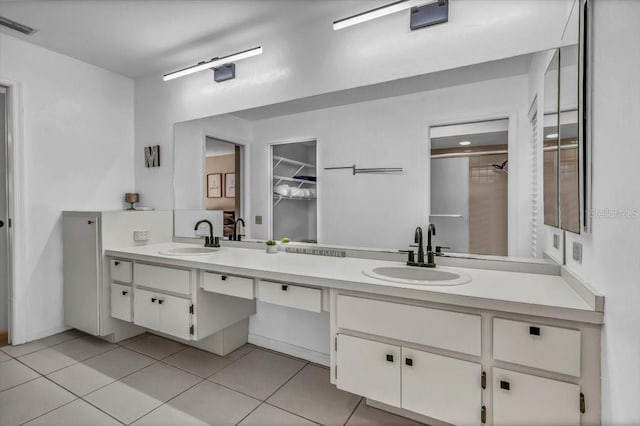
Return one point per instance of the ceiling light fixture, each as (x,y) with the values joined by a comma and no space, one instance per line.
(213,63)
(464,143)
(379,12)
(552,135)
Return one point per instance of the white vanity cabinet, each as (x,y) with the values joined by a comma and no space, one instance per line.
(437,386)
(171,300)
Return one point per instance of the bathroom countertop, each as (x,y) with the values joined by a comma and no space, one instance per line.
(517,292)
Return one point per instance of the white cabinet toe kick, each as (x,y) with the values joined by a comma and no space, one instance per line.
(442,364)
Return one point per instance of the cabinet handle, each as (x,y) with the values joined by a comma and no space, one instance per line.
(153,300)
(117,263)
(160,301)
(408,362)
(90,222)
(534,331)
(285,287)
(125,292)
(389,358)
(505,385)
(224,278)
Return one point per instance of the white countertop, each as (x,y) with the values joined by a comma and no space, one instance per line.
(523,293)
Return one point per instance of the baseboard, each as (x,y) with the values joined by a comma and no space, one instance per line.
(289,349)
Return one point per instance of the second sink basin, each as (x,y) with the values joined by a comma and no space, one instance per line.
(418,275)
(190,251)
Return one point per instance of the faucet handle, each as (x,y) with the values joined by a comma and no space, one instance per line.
(410,256)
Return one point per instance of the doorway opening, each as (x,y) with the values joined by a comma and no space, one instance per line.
(4,216)
(294,210)
(469,186)
(223,182)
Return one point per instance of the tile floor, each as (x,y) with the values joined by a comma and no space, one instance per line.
(74,379)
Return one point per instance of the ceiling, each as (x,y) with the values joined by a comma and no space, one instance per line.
(139,37)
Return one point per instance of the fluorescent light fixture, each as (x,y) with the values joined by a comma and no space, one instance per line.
(464,143)
(552,135)
(378,12)
(214,62)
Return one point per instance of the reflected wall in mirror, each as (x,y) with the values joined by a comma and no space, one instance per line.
(392,124)
(469,186)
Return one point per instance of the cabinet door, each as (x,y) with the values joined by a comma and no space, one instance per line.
(121,302)
(369,368)
(523,399)
(441,387)
(175,318)
(146,310)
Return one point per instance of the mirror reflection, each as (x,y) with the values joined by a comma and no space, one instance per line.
(463,145)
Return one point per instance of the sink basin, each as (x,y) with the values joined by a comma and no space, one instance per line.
(190,251)
(418,275)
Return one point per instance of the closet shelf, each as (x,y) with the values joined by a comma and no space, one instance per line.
(280,159)
(291,179)
(286,197)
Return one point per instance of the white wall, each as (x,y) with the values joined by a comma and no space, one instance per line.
(313,59)
(610,254)
(77,138)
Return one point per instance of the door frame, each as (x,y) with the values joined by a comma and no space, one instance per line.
(512,184)
(15,205)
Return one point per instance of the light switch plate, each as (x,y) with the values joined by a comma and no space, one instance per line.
(556,241)
(577,252)
(141,235)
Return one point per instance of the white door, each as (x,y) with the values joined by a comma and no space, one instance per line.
(369,368)
(441,387)
(146,309)
(121,302)
(175,318)
(523,399)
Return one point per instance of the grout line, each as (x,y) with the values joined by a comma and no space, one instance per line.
(66,366)
(45,413)
(197,375)
(291,412)
(353,411)
(19,384)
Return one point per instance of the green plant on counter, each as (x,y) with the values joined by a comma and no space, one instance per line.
(285,240)
(271,243)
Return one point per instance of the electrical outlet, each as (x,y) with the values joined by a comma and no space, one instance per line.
(577,252)
(141,235)
(556,241)
(258,220)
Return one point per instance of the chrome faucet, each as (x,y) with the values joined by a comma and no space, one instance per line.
(209,241)
(235,236)
(418,240)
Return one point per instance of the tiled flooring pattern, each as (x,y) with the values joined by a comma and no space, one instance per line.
(72,379)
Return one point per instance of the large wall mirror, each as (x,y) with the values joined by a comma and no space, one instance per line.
(455,148)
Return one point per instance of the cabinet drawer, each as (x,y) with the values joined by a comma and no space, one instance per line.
(228,284)
(425,326)
(121,271)
(534,345)
(121,302)
(293,296)
(523,399)
(161,278)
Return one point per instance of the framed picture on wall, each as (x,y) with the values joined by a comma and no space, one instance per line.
(230,185)
(214,185)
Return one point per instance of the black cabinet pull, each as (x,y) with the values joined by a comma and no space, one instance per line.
(116,263)
(285,287)
(389,358)
(534,331)
(505,385)
(125,292)
(160,301)
(90,222)
(153,300)
(409,362)
(224,278)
